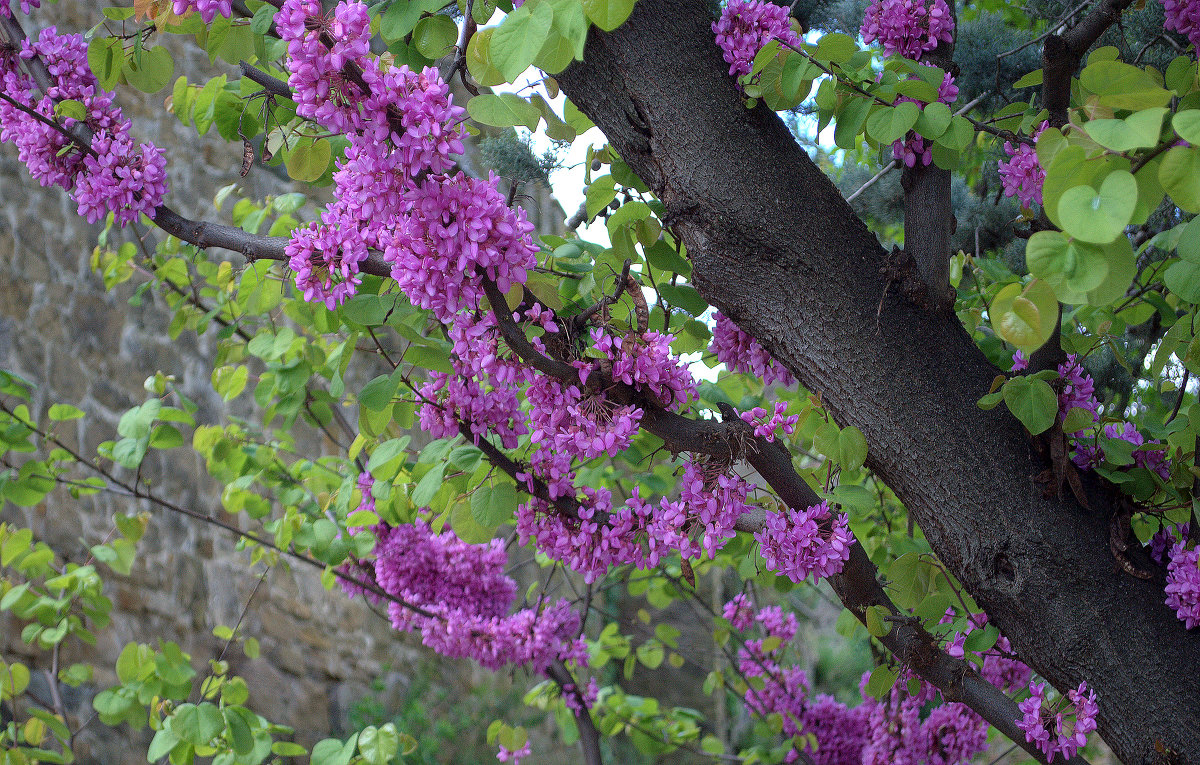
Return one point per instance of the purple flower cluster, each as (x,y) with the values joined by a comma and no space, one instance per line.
(208,9)
(1068,735)
(739,612)
(1078,390)
(742,353)
(579,421)
(767,427)
(464,598)
(746,26)
(877,732)
(646,363)
(402,126)
(1022,175)
(1165,539)
(325,258)
(505,754)
(1183,16)
(799,543)
(907,27)
(640,532)
(114,174)
(456,229)
(999,666)
(1089,455)
(952,734)
(1183,583)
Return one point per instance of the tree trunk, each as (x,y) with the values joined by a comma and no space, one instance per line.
(776,248)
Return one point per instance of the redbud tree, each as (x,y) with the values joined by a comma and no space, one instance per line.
(934,431)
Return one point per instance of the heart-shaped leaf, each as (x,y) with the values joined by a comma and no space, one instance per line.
(1025,315)
(1099,216)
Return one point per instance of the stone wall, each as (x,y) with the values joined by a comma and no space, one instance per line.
(79,344)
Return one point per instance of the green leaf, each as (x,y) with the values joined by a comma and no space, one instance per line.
(851,448)
(1179,174)
(1187,125)
(432,357)
(14,679)
(1024,315)
(1122,86)
(876,621)
(379,745)
(494,504)
(479,60)
(798,75)
(836,47)
(332,751)
(1070,267)
(880,682)
(1099,216)
(239,724)
(105,57)
(1029,80)
(958,135)
(60,412)
(229,382)
(386,452)
(1032,401)
(934,120)
(402,16)
(556,129)
(608,14)
(1139,130)
(503,110)
(888,124)
(683,296)
(600,193)
(517,41)
(161,745)
(377,394)
(428,486)
(69,108)
(434,36)
(1183,279)
(197,725)
(850,121)
(556,54)
(368,310)
(309,159)
(151,71)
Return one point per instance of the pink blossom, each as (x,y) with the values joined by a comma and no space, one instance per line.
(799,543)
(746,26)
(742,353)
(907,27)
(1022,175)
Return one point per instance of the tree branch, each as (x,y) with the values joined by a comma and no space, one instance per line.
(1062,53)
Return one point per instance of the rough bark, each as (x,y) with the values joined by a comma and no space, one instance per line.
(776,248)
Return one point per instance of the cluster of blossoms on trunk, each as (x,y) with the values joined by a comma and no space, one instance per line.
(1172,546)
